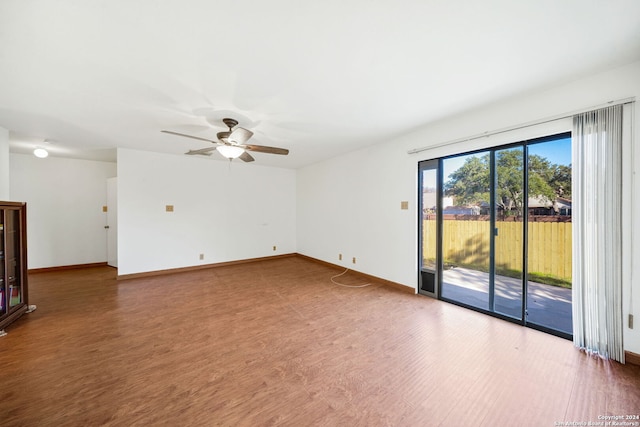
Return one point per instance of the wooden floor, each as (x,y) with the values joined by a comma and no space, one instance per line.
(276,343)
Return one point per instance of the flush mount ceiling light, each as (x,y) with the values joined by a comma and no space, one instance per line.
(230,151)
(40,152)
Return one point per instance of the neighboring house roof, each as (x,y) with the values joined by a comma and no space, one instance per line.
(543,202)
(563,203)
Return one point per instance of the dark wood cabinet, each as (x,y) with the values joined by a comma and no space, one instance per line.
(14,296)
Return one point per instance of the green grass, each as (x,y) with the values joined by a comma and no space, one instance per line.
(547,279)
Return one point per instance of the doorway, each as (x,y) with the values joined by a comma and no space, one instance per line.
(112,222)
(495,231)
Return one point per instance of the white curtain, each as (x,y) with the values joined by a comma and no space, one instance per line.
(597,238)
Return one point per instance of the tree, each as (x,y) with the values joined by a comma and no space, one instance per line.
(470,184)
(561,180)
(540,179)
(509,181)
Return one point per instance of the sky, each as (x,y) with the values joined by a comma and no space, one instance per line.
(557,152)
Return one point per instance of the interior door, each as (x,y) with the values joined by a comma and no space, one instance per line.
(112,222)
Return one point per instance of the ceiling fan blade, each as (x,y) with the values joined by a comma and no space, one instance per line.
(265,149)
(240,135)
(246,157)
(189,136)
(205,151)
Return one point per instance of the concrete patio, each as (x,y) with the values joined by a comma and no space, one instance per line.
(548,306)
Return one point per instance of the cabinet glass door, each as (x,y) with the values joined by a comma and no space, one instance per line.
(3,290)
(12,255)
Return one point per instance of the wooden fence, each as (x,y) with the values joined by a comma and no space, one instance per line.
(467,243)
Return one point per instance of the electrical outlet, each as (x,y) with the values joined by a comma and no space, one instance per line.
(339,257)
(168,208)
(274,247)
(353,260)
(201,257)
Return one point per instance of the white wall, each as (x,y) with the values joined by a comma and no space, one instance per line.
(225,211)
(4,165)
(351,204)
(65,222)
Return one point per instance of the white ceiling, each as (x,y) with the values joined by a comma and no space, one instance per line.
(317,77)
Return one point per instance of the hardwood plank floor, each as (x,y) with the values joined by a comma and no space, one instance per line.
(276,343)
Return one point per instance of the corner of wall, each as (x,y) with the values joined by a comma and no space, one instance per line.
(4,165)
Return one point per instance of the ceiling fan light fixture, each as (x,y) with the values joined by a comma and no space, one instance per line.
(231,144)
(40,153)
(230,151)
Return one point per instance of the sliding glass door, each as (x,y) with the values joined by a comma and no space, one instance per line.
(508,229)
(495,232)
(466,230)
(549,235)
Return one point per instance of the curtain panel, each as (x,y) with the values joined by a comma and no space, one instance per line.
(597,234)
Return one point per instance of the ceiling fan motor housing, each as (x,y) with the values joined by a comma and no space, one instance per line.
(224,136)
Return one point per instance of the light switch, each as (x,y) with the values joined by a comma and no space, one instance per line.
(104,209)
(404,205)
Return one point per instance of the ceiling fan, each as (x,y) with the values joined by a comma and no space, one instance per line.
(232,143)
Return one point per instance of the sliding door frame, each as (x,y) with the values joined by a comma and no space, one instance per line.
(525,234)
